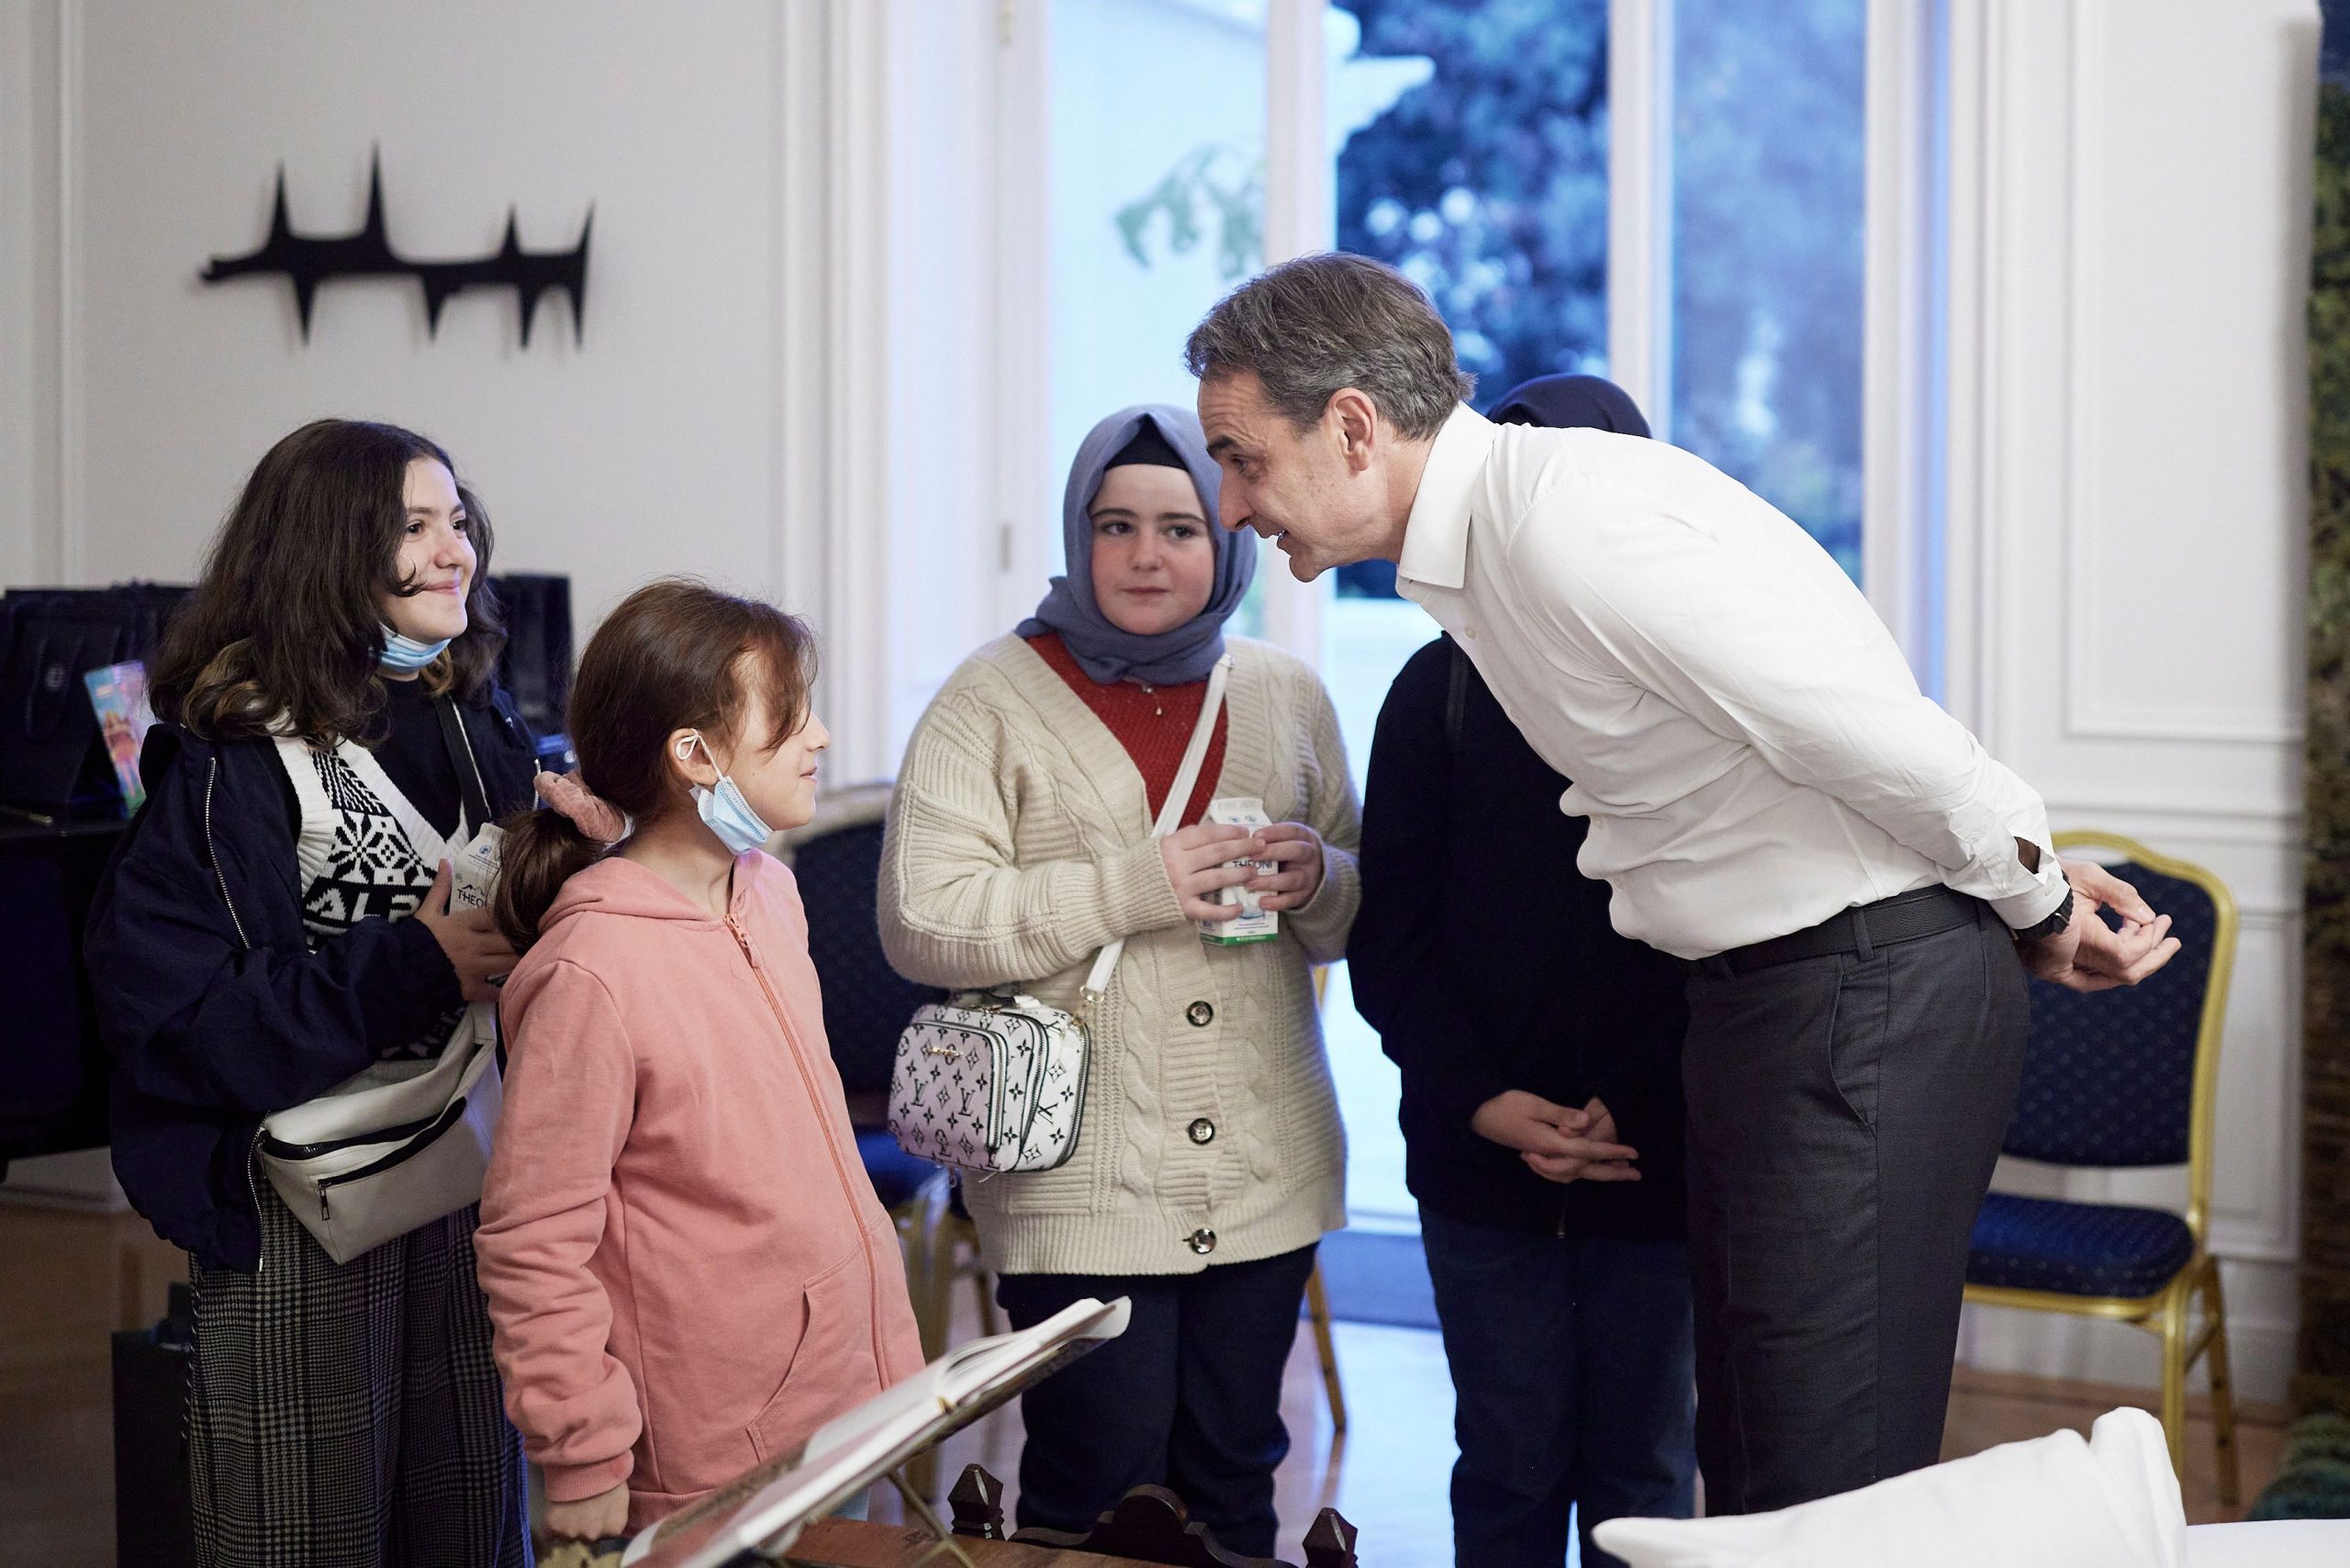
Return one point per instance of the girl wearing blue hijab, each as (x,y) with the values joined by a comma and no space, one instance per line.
(1153,455)
(1209,1160)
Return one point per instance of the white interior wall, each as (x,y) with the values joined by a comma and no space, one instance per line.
(2130,195)
(644,448)
(785,333)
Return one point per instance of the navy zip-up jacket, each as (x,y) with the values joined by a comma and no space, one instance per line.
(1486,962)
(211,1004)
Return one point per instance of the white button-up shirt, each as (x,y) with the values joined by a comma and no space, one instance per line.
(1750,747)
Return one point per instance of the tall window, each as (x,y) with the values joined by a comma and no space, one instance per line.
(1767,207)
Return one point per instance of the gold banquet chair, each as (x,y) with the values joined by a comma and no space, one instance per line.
(2122,1079)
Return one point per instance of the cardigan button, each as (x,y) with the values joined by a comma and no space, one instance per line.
(1201,1241)
(1201,1130)
(1201,1015)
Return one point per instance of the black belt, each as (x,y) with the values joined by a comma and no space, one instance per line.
(1904,917)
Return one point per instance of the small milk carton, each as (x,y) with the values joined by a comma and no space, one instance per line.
(472,874)
(1255,923)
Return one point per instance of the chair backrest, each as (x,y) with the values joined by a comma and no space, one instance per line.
(2126,1077)
(837,859)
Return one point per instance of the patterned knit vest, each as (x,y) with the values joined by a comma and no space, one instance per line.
(365,852)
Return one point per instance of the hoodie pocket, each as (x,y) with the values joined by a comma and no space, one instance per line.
(831,1369)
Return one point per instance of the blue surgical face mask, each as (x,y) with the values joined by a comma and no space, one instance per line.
(406,656)
(727,814)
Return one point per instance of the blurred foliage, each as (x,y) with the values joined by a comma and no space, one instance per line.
(1215,182)
(1488,186)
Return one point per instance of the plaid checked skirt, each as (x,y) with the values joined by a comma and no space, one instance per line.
(350,1414)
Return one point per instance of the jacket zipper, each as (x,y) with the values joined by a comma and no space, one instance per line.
(212,852)
(220,880)
(840,1170)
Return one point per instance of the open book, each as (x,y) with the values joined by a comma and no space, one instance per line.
(763,1509)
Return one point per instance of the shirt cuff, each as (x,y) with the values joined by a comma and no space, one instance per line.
(2027,909)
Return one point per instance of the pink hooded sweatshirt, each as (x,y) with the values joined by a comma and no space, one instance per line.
(686,1265)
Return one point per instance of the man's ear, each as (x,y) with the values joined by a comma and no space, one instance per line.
(1357,419)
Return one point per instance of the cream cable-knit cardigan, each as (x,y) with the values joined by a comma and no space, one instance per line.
(1019,843)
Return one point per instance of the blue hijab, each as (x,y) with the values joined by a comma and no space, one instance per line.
(1102,651)
(1567,402)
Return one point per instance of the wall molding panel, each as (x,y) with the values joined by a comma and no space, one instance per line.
(2090,711)
(2077,661)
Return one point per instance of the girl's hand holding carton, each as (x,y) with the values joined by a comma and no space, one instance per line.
(1254,922)
(1281,867)
(1204,860)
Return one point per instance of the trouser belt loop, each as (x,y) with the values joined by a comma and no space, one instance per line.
(1861,945)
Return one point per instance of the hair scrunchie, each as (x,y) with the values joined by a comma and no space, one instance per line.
(594,816)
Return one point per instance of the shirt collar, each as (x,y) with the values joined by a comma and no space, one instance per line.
(1436,537)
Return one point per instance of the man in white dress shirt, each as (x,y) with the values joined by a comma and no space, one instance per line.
(1855,886)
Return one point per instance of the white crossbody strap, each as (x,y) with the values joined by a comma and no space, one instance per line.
(1170,815)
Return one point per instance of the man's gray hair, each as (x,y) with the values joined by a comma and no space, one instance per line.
(1311,326)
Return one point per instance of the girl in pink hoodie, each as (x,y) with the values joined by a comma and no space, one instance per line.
(686,1268)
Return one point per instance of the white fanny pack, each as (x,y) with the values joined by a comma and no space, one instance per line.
(396,1146)
(402,1143)
(993,1081)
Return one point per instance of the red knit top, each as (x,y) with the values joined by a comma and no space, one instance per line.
(1153,722)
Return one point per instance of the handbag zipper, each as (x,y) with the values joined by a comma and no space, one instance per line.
(448,1118)
(840,1170)
(331,1145)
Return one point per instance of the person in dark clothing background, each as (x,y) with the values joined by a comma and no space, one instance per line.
(1541,1107)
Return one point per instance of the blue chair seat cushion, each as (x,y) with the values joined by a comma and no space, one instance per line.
(2104,1249)
(897,1175)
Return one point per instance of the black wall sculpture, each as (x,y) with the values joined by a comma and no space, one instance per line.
(308,261)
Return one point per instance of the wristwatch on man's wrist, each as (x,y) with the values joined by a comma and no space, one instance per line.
(2059,919)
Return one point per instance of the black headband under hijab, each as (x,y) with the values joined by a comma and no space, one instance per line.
(1148,449)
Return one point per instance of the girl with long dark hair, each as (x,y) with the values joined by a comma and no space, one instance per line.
(275,923)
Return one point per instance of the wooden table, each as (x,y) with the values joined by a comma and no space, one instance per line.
(851,1543)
